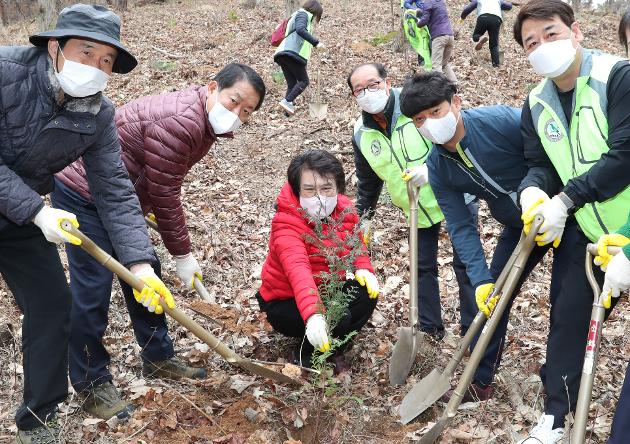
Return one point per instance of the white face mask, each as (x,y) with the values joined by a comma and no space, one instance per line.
(79,80)
(222,119)
(373,102)
(552,59)
(440,130)
(319,207)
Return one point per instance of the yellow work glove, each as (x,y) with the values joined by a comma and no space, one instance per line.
(608,240)
(369,281)
(317,332)
(531,198)
(364,227)
(152,291)
(481,294)
(49,220)
(152,218)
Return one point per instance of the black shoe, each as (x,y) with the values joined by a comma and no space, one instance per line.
(436,333)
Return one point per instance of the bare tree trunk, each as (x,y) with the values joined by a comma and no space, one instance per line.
(400,41)
(250,3)
(3,15)
(121,5)
(290,6)
(47,14)
(576,5)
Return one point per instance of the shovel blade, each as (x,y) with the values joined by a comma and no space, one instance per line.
(265,372)
(318,110)
(403,356)
(434,433)
(423,395)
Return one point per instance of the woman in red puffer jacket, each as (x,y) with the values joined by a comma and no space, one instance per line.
(313,215)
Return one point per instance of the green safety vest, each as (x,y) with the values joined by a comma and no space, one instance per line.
(575,147)
(389,157)
(418,38)
(292,41)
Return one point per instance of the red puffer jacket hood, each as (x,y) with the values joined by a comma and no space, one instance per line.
(293,260)
(161,138)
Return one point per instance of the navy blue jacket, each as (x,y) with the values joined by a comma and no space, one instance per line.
(493,167)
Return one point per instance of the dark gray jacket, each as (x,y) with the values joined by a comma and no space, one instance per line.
(38,138)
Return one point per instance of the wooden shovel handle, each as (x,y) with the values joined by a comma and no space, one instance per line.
(118,269)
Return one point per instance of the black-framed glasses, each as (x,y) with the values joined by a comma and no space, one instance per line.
(374,86)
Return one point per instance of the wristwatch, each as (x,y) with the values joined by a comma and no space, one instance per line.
(566,200)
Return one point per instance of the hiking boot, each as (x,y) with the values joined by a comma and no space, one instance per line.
(437,334)
(288,107)
(543,432)
(44,434)
(475,393)
(173,368)
(481,42)
(104,402)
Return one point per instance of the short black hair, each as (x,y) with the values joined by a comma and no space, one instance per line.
(380,68)
(624,25)
(236,72)
(542,10)
(320,161)
(425,90)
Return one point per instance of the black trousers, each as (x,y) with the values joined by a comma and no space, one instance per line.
(491,24)
(31,267)
(285,318)
(295,74)
(571,300)
(429,304)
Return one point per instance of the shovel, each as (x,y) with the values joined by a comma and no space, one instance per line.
(318,109)
(404,354)
(213,342)
(197,284)
(433,386)
(578,434)
(526,246)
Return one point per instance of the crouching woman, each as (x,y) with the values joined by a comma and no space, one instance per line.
(315,223)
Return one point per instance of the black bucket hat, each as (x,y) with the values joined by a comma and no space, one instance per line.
(93,22)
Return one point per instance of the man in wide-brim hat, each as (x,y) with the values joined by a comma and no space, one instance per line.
(52,111)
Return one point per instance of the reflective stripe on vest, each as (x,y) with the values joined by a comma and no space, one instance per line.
(292,40)
(587,139)
(390,157)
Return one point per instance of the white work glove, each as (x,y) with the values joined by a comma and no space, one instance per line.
(555,213)
(320,45)
(316,332)
(188,269)
(49,220)
(617,278)
(531,197)
(369,281)
(364,227)
(418,175)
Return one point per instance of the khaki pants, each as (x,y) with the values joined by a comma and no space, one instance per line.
(441,53)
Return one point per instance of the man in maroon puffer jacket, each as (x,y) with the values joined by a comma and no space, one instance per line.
(161,137)
(311,201)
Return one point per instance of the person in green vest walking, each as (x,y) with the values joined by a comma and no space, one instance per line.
(418,38)
(389,150)
(576,124)
(295,50)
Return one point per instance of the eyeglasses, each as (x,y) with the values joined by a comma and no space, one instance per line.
(328,190)
(374,86)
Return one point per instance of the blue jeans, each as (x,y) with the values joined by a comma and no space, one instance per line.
(621,421)
(91,286)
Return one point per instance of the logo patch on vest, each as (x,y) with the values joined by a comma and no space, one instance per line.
(376,147)
(552,131)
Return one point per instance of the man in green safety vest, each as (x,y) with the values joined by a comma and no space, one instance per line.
(389,150)
(576,124)
(418,37)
